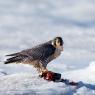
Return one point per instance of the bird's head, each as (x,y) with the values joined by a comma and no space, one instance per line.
(57,42)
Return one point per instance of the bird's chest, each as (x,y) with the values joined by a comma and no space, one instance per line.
(53,56)
(56,53)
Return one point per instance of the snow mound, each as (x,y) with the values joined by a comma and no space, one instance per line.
(22,79)
(26,84)
(86,75)
(92,66)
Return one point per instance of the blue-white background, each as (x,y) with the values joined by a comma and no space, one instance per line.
(25,23)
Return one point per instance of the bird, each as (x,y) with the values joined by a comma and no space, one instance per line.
(39,56)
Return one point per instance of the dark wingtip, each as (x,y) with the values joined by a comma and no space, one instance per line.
(7,54)
(5,62)
(12,54)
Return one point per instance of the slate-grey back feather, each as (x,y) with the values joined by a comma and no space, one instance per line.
(39,52)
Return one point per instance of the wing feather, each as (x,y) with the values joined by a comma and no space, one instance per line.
(40,52)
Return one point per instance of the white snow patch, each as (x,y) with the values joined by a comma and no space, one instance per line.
(26,82)
(86,74)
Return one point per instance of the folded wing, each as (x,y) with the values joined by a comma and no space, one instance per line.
(40,52)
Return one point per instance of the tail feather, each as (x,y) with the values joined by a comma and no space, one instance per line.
(13,60)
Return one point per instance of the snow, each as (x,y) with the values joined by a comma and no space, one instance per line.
(21,79)
(85,74)
(26,23)
(25,83)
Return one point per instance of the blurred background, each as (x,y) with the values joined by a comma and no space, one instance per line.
(26,23)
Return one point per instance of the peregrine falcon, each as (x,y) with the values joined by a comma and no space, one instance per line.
(38,56)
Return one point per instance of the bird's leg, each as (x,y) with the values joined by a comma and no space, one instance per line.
(42,71)
(39,70)
(42,68)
